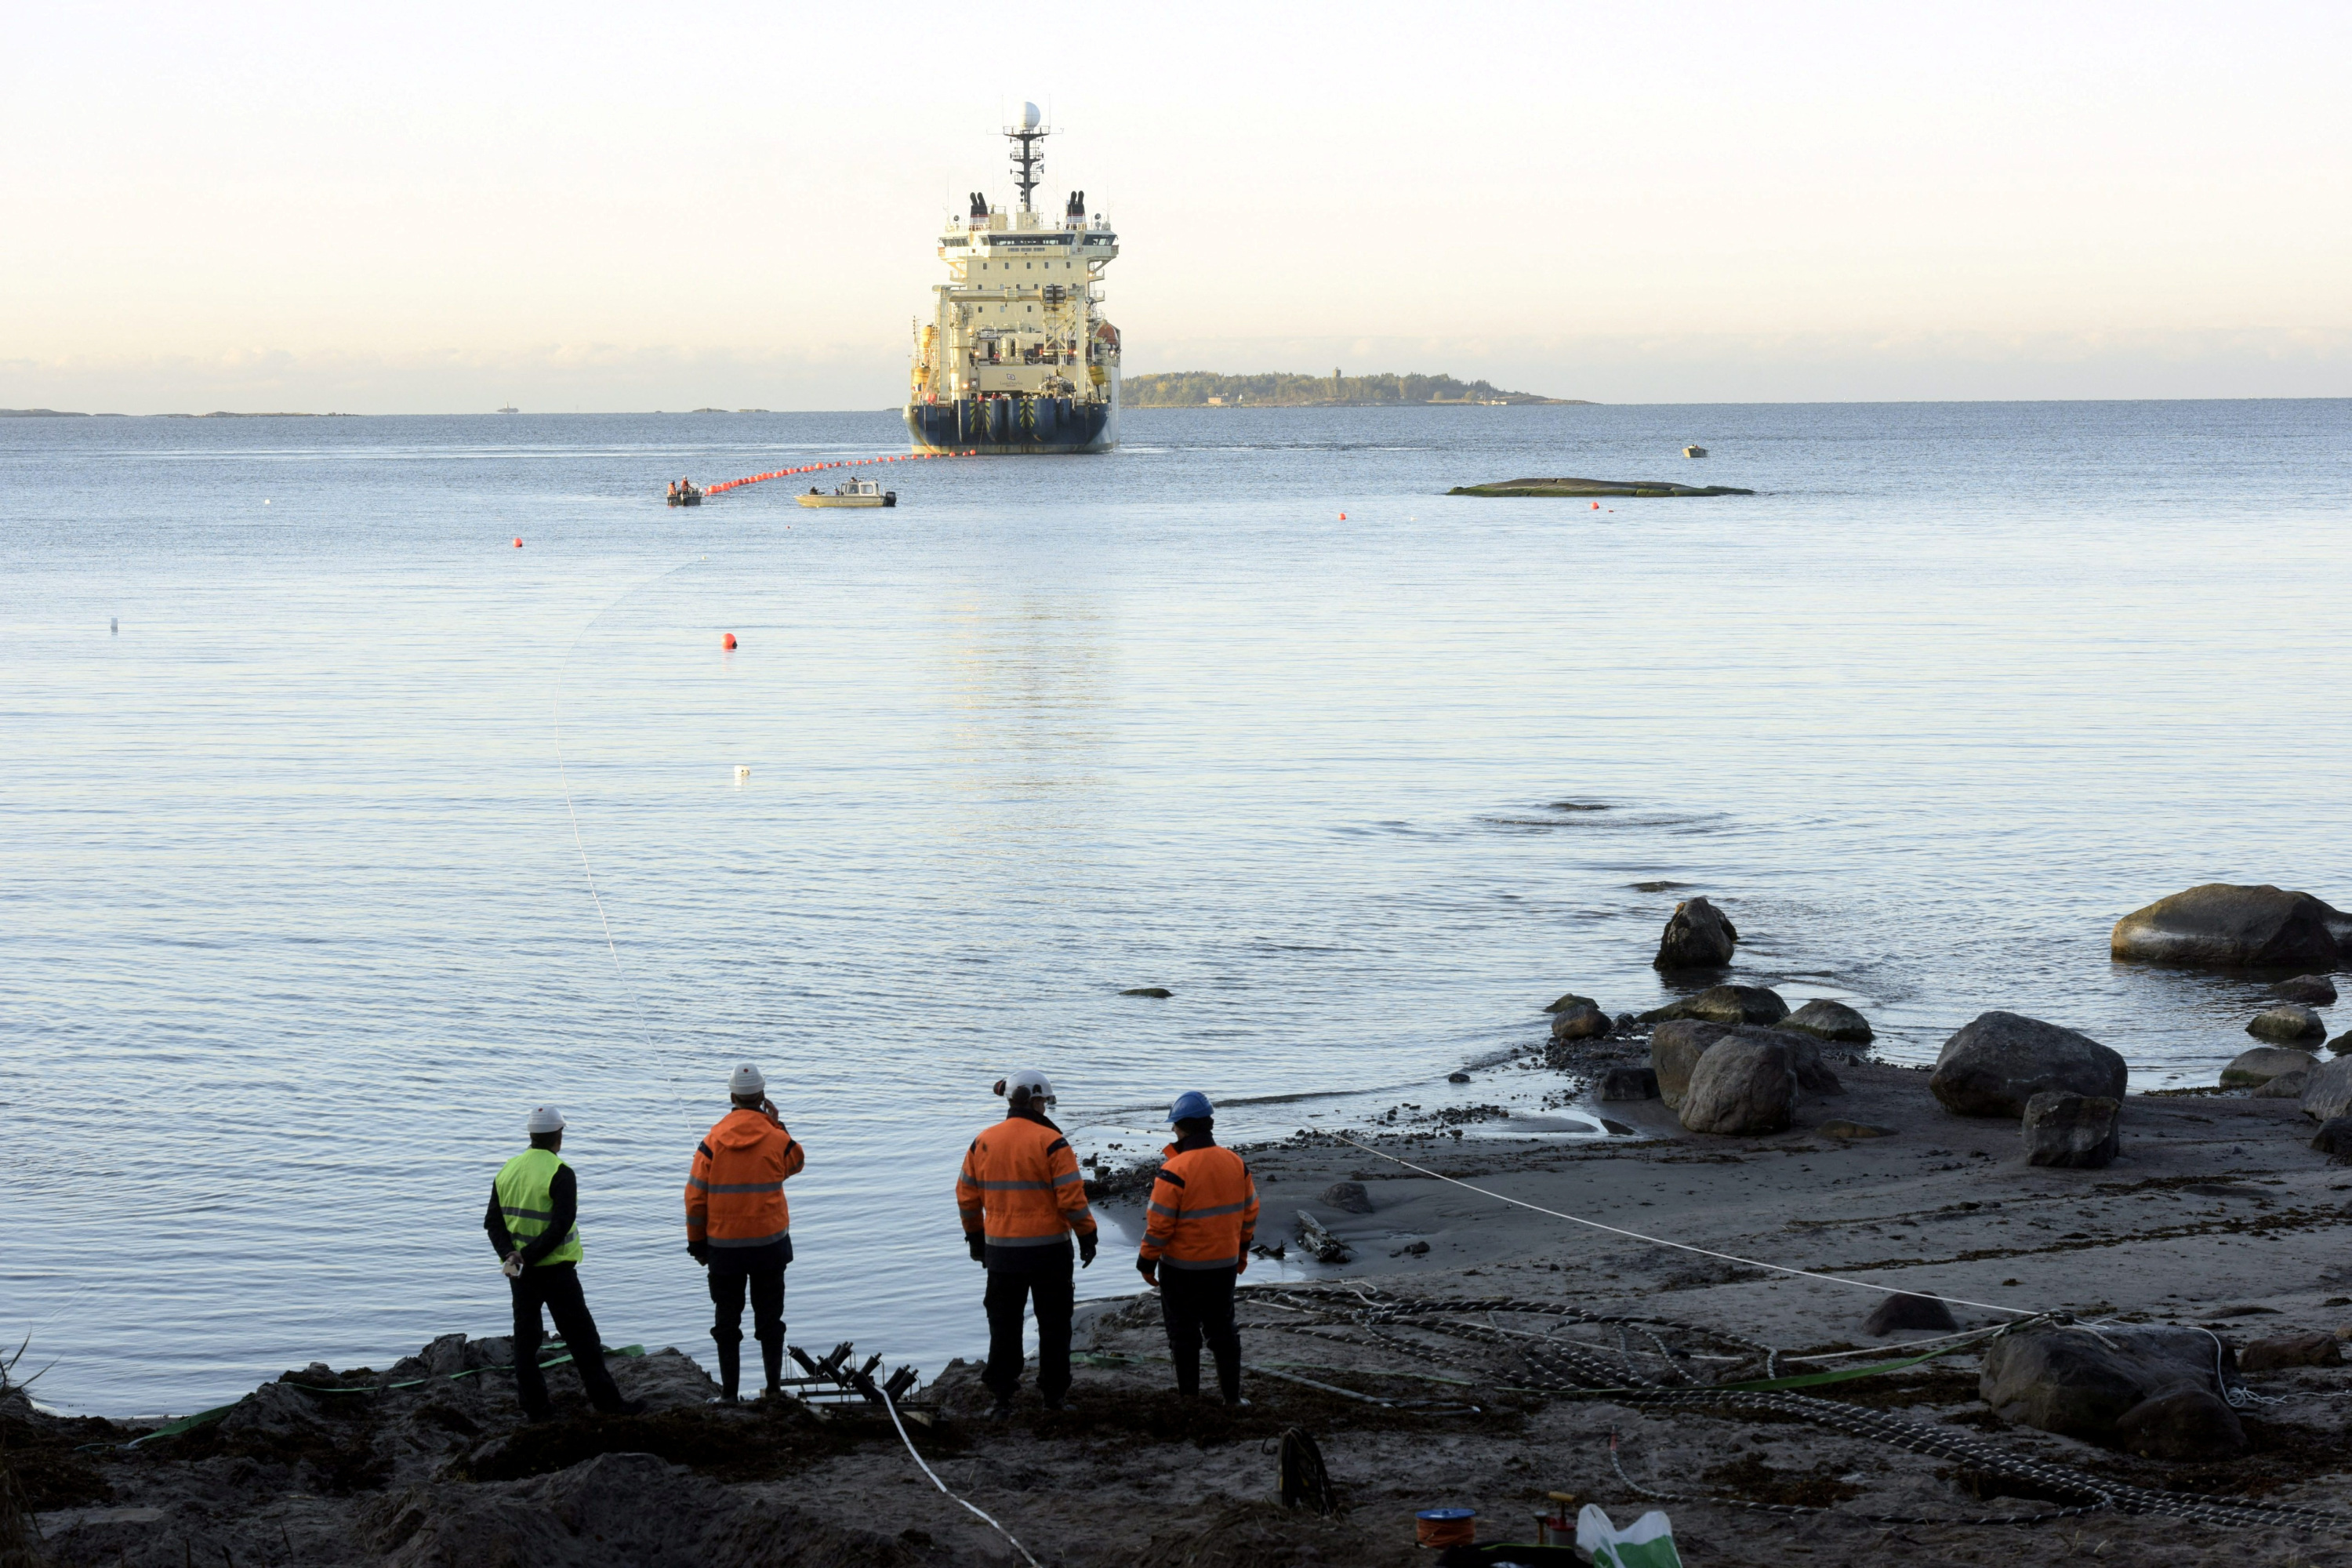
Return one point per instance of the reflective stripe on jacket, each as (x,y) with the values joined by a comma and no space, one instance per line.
(1020,1186)
(526,1205)
(735,1191)
(1203,1210)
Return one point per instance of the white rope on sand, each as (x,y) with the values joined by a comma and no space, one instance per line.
(1683,1246)
(892,1407)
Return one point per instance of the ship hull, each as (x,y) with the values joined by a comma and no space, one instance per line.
(1012,426)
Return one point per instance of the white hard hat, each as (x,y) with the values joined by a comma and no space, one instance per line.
(746,1079)
(544,1119)
(1027,1084)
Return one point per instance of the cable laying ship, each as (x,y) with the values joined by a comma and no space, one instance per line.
(1017,357)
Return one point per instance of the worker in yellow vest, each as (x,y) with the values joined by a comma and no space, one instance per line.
(533,1221)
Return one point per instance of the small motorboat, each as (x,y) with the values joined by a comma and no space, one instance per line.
(851,492)
(685,494)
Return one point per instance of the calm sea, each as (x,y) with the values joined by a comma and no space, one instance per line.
(294,926)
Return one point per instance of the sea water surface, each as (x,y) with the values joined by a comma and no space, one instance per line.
(295,911)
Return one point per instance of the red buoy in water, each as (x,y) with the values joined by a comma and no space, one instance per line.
(1596,506)
(726,641)
(518,544)
(1343,517)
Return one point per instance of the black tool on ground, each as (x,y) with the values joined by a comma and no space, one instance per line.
(1300,1480)
(833,1380)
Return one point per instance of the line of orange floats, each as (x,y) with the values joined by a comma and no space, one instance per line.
(844,463)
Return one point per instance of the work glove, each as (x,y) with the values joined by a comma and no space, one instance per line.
(1088,1242)
(979,1244)
(1149,1269)
(1243,1267)
(700,1252)
(512,1266)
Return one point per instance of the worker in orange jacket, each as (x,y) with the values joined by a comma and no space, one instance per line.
(1197,1232)
(739,1228)
(1022,1199)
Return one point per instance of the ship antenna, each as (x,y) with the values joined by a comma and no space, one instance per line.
(1028,156)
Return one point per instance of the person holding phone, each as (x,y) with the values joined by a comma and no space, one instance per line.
(738,1227)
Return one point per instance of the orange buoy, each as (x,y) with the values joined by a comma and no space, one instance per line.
(518,544)
(728,641)
(1343,517)
(1596,506)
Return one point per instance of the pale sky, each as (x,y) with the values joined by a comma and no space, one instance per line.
(430,208)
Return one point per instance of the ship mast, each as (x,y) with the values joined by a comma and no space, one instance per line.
(1028,156)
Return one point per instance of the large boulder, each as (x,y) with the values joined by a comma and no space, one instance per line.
(1724,1005)
(1699,936)
(2124,1381)
(1994,1065)
(2252,1070)
(1832,1021)
(2288,1020)
(2328,1094)
(1813,1074)
(2286,1086)
(2076,1132)
(2310,990)
(1744,1084)
(1582,1023)
(2223,926)
(1674,1051)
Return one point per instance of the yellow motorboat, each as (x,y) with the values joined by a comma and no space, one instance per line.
(853,492)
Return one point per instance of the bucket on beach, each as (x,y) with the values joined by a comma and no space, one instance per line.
(1445,1527)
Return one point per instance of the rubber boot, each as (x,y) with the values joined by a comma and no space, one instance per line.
(1229,1373)
(772,1356)
(730,1369)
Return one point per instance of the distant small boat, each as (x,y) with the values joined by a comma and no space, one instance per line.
(685,495)
(855,492)
(509,409)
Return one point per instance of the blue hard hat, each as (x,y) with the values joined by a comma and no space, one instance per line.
(1190,1106)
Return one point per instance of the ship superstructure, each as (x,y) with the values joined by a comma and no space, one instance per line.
(1017,356)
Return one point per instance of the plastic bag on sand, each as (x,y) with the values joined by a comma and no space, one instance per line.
(1647,1543)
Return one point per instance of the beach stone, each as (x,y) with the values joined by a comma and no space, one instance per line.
(2310,990)
(1582,1023)
(1457,1078)
(2286,1086)
(2081,1384)
(1832,1021)
(2328,1095)
(2333,1138)
(1628,1083)
(1569,1001)
(2291,1349)
(2341,1043)
(1724,1005)
(1349,1195)
(1675,1048)
(1897,1313)
(1997,1063)
(2187,1423)
(2076,1132)
(1841,1128)
(2264,1063)
(2287,1021)
(1699,936)
(1813,1074)
(1746,1083)
(2221,925)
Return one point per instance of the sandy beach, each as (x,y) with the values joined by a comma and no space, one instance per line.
(2215,1214)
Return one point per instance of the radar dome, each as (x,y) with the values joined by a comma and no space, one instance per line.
(1030,117)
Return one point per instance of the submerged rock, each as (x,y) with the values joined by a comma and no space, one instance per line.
(1827,1020)
(1997,1063)
(1746,1083)
(1898,1312)
(1569,1001)
(2077,1132)
(1580,1023)
(1698,936)
(2221,925)
(2288,1020)
(1674,1051)
(1161,992)
(1724,1005)
(2124,1382)
(2310,990)
(2252,1069)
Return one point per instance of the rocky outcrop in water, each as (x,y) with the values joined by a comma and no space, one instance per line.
(2252,1070)
(1827,1020)
(1994,1065)
(2310,990)
(1724,1005)
(1698,936)
(2287,1021)
(2221,925)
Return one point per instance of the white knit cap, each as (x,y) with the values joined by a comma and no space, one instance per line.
(746,1079)
(545,1118)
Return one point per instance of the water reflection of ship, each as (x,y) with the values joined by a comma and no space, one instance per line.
(1017,356)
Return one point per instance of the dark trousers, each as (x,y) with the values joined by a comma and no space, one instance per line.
(556,1287)
(766,1288)
(1053,1292)
(1197,1304)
